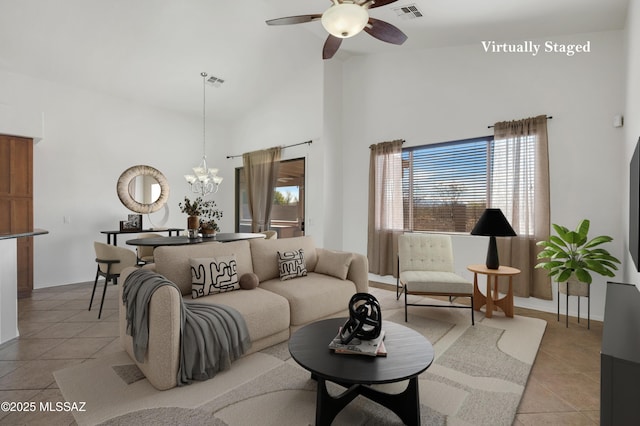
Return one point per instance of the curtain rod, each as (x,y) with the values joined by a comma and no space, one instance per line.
(548,118)
(288,146)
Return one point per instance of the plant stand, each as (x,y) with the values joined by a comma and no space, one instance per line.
(575,288)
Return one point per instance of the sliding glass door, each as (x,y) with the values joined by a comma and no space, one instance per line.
(287,213)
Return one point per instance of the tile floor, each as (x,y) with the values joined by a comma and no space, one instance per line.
(56,331)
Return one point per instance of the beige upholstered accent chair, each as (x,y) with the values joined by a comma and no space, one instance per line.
(270,235)
(111,261)
(145,253)
(425,267)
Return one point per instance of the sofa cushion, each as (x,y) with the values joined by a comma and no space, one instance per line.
(435,282)
(265,255)
(265,313)
(291,264)
(173,261)
(211,275)
(312,297)
(334,263)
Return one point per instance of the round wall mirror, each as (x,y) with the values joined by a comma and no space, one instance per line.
(143,189)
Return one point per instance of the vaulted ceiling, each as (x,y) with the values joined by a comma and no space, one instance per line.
(153,51)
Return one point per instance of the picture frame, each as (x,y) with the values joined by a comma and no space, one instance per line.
(136,221)
(133,224)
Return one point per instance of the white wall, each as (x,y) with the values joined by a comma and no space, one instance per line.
(631,125)
(333,172)
(88,140)
(293,114)
(447,94)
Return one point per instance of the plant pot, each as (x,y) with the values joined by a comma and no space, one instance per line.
(193,222)
(208,233)
(574,287)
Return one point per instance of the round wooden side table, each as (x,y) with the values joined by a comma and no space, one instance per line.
(491,299)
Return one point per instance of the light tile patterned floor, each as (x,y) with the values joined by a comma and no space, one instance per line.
(56,331)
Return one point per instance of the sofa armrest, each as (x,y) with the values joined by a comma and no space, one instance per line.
(162,360)
(359,272)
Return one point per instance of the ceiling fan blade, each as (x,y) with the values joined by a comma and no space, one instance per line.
(385,31)
(301,19)
(378,3)
(331,46)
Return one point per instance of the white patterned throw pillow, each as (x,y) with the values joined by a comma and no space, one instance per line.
(213,275)
(291,264)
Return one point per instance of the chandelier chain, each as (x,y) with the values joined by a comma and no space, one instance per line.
(204,180)
(204,115)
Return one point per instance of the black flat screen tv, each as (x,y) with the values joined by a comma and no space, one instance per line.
(634,206)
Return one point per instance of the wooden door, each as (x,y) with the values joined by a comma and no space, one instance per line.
(16,202)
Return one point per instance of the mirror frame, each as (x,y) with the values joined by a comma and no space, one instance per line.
(131,173)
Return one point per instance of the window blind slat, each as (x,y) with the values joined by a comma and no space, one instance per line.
(445,185)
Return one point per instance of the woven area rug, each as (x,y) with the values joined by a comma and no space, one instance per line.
(477,378)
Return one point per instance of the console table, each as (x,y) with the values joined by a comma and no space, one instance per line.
(116,233)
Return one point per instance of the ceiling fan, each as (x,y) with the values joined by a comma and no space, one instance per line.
(346,18)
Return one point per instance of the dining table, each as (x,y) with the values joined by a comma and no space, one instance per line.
(221,237)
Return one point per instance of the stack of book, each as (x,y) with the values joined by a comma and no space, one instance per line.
(373,347)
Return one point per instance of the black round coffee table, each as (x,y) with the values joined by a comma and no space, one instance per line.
(408,354)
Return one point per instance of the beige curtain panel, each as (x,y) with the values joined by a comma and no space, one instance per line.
(519,183)
(261,174)
(385,207)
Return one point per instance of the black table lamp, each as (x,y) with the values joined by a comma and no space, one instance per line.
(493,224)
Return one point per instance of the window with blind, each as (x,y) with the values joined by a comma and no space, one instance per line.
(446,186)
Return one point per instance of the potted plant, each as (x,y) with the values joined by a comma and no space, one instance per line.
(572,256)
(208,217)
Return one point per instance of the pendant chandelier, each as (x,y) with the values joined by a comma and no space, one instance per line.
(204,180)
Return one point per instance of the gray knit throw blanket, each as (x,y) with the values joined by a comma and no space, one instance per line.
(211,335)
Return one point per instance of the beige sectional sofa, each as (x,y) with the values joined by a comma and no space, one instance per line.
(272,310)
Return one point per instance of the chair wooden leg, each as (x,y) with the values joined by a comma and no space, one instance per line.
(95,282)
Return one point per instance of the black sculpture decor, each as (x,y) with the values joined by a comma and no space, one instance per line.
(365,318)
(493,224)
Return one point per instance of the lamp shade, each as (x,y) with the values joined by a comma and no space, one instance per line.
(492,223)
(345,20)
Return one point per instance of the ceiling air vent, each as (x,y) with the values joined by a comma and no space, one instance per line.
(409,11)
(214,81)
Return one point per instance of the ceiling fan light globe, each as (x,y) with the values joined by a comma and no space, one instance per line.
(345,20)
